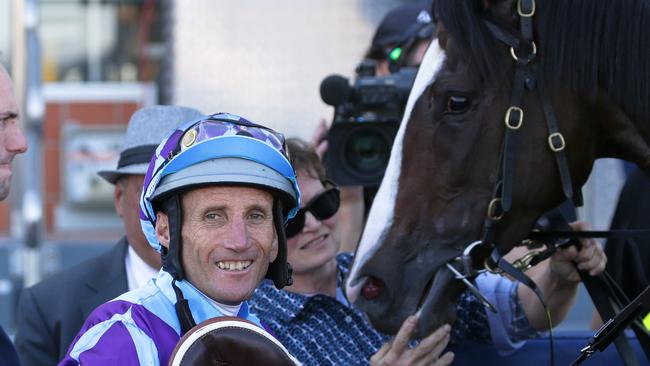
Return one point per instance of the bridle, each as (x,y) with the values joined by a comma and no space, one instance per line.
(527,77)
(523,51)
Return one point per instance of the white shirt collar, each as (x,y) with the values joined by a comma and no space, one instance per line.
(228,310)
(138,272)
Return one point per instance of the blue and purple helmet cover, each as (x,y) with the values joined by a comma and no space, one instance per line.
(230,136)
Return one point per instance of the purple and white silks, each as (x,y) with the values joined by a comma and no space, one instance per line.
(140,327)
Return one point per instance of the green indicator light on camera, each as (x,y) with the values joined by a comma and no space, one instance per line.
(395,54)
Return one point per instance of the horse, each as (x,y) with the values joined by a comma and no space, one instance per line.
(446,167)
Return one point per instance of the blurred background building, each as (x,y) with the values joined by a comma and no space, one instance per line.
(100,60)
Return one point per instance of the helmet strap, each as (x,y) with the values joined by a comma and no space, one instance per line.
(279,270)
(183,310)
(171,258)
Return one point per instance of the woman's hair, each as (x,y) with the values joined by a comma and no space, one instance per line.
(304,158)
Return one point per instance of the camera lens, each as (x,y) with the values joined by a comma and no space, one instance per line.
(367,151)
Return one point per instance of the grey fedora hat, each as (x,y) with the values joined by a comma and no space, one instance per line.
(147,127)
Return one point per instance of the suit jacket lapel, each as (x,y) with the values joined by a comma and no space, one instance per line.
(111,283)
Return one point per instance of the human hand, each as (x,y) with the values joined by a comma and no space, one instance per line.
(396,352)
(319,138)
(590,257)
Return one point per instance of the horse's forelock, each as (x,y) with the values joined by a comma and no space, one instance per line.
(381,213)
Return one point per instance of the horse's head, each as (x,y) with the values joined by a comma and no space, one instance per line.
(445,160)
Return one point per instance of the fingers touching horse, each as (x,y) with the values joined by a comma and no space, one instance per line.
(592,57)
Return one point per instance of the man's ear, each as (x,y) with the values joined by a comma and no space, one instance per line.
(118,194)
(162,229)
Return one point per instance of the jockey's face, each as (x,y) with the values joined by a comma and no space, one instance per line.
(228,240)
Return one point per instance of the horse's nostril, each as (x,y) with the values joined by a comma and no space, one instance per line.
(371,288)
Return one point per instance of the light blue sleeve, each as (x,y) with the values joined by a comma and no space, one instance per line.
(510,321)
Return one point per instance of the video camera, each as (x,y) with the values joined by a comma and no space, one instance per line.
(366,119)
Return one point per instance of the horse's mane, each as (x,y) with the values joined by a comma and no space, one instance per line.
(594,45)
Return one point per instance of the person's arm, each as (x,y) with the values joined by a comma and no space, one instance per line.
(558,280)
(508,327)
(35,342)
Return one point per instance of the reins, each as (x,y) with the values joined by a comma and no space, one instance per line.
(605,293)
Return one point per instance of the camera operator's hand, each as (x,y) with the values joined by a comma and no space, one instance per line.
(319,139)
(427,352)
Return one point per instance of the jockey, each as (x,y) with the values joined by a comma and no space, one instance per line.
(215,199)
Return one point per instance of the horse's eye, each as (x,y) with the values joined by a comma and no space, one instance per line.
(457,104)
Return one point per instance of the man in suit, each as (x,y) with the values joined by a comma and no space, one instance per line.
(12,143)
(52,312)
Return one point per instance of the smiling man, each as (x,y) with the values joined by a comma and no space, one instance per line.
(12,143)
(215,199)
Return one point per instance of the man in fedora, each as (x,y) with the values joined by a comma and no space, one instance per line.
(52,312)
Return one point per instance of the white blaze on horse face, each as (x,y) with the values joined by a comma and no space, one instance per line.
(381,214)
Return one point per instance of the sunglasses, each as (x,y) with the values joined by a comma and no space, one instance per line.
(323,206)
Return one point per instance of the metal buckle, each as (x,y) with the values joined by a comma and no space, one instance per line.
(521,12)
(492,210)
(552,138)
(493,270)
(530,56)
(519,121)
(523,263)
